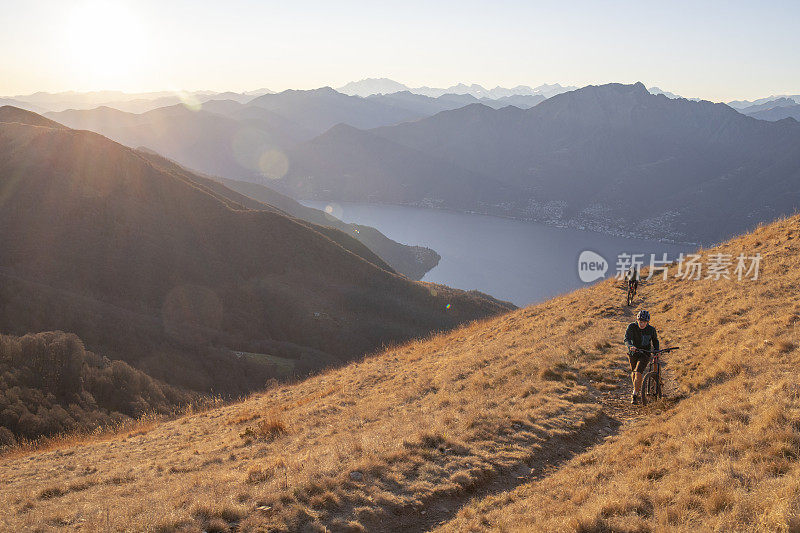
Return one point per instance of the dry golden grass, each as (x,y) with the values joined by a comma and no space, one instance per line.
(269,428)
(130,427)
(726,460)
(723,459)
(510,423)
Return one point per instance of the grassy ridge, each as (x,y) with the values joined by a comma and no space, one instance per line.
(725,458)
(527,405)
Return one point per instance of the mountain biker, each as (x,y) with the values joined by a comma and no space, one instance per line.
(639,337)
(632,277)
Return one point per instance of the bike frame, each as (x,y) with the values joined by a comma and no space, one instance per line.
(655,364)
(631,293)
(653,373)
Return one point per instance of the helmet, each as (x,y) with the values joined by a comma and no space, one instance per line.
(643,315)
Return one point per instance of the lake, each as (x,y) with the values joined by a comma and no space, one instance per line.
(523,262)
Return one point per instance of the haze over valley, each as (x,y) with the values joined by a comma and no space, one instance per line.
(566,160)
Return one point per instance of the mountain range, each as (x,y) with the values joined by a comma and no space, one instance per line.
(611,157)
(370,86)
(282,119)
(568,160)
(249,141)
(777,109)
(152,264)
(741,104)
(42,102)
(424,106)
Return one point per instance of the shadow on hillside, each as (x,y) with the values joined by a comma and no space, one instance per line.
(553,453)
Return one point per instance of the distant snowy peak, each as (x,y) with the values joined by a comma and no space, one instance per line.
(371,86)
(478,91)
(659,90)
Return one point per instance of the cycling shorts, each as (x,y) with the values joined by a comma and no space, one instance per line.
(639,361)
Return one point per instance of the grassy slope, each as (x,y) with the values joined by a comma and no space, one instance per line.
(725,458)
(527,405)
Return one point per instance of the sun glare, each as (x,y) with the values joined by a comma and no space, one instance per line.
(106,44)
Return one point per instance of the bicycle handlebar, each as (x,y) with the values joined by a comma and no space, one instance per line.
(657,351)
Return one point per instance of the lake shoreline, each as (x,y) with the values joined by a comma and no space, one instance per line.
(510,259)
(549,223)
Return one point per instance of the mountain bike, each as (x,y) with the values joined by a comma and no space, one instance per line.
(652,384)
(631,293)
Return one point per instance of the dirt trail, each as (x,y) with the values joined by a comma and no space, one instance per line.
(617,413)
(554,452)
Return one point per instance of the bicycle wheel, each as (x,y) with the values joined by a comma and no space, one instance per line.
(629,298)
(651,388)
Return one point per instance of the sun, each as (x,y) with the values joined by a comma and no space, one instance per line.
(106,44)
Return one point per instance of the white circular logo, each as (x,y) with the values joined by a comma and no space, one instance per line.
(591,266)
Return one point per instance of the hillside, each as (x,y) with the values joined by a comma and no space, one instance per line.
(146,264)
(410,260)
(228,139)
(51,385)
(517,422)
(15,114)
(573,159)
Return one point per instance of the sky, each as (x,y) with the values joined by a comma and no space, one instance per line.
(718,51)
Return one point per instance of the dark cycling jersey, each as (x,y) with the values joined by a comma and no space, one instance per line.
(636,337)
(643,339)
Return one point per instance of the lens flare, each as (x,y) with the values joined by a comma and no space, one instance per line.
(333,212)
(273,164)
(189,100)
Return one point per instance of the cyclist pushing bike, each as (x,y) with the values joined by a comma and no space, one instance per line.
(632,276)
(632,279)
(639,337)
